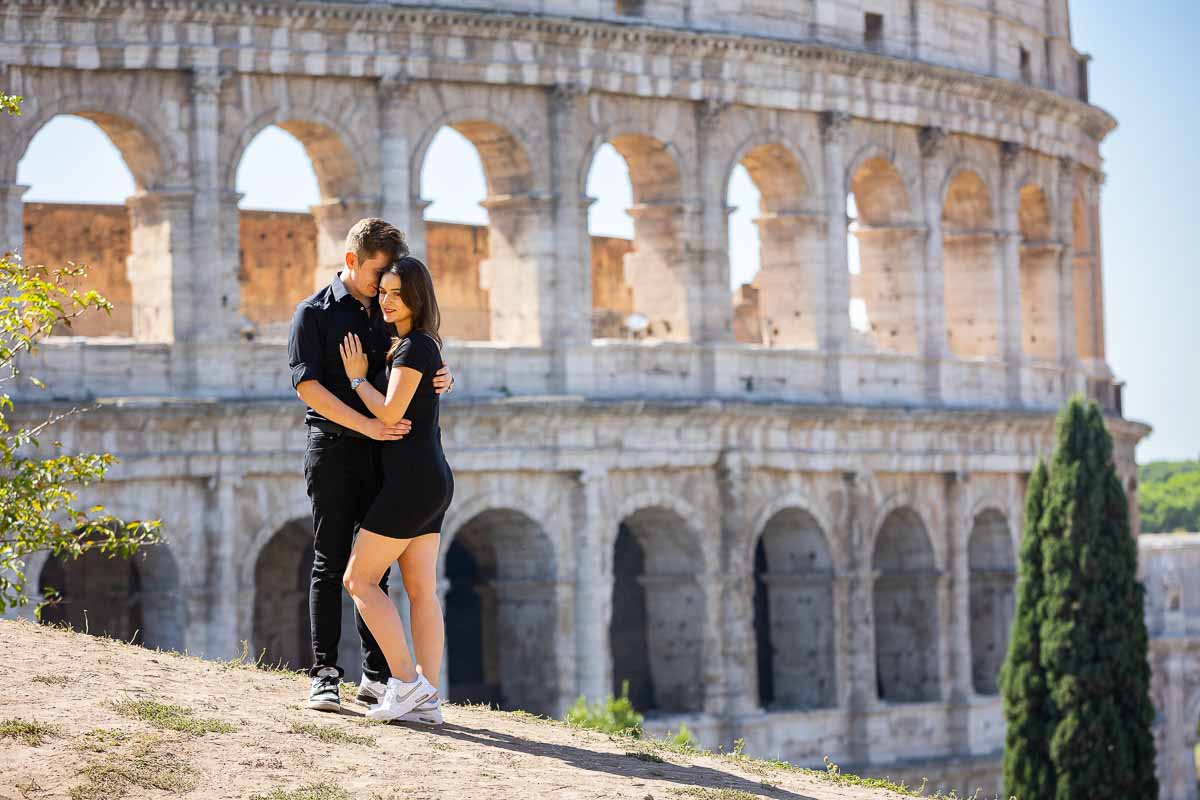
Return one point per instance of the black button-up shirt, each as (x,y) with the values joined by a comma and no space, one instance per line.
(318,327)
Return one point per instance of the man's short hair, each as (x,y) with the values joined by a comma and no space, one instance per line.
(371,236)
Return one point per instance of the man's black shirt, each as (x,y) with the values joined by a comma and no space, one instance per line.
(320,324)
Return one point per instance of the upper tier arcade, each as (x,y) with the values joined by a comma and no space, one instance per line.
(945,144)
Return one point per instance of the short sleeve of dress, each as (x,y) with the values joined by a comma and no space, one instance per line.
(419,352)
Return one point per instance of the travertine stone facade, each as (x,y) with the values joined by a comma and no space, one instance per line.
(808,541)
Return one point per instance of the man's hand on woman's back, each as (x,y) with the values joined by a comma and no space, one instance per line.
(443,381)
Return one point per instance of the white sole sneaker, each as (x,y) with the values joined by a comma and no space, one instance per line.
(428,713)
(400,699)
(370,692)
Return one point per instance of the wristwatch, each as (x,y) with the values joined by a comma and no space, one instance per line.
(354,382)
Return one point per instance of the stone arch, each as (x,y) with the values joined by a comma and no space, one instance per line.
(655,273)
(907,646)
(890,252)
(657,629)
(281,570)
(791,237)
(337,157)
(496,291)
(970,267)
(146,151)
(500,568)
(135,600)
(795,613)
(991,562)
(1039,274)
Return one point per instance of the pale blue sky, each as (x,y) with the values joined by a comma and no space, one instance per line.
(1143,72)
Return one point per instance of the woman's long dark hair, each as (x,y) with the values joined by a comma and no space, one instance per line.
(416,290)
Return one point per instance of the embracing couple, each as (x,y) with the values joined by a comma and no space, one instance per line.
(365,356)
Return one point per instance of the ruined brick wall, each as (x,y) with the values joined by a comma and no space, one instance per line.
(612,298)
(277,252)
(96,236)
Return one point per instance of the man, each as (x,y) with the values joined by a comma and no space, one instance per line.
(341,460)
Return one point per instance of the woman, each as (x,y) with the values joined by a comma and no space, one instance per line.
(404,524)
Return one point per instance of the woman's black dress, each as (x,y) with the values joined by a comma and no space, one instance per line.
(417,482)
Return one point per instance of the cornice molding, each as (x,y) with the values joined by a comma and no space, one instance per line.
(1092,120)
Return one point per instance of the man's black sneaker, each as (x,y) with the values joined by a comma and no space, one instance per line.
(323,695)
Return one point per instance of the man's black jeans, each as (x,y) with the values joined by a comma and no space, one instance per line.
(344,477)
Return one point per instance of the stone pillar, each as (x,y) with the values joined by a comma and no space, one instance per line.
(518,273)
(416,226)
(572,299)
(956,651)
(1008,255)
(12,218)
(739,665)
(395,93)
(893,285)
(933,286)
(593,587)
(856,631)
(713,320)
(660,270)
(159,266)
(680,614)
(832,313)
(334,220)
(529,666)
(1068,357)
(223,523)
(443,586)
(792,257)
(210,311)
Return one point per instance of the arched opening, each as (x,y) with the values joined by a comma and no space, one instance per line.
(788,243)
(969,269)
(136,600)
(503,589)
(1088,296)
(795,619)
(656,634)
(485,234)
(887,247)
(610,230)
(907,649)
(280,628)
(992,565)
(655,281)
(1038,276)
(277,232)
(79,209)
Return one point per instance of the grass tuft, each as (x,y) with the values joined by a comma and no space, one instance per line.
(313,791)
(31,733)
(641,755)
(171,718)
(711,794)
(330,735)
(51,680)
(100,740)
(148,766)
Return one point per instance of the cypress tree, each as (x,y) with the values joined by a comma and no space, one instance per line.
(1092,635)
(1028,714)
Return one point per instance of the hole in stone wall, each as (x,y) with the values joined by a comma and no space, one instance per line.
(873,30)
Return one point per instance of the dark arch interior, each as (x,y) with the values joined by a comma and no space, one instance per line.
(627,628)
(466,648)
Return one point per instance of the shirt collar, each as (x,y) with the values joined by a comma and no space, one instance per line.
(340,292)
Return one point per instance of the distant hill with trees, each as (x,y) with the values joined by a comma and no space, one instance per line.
(1169,496)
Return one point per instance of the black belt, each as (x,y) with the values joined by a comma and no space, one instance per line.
(325,426)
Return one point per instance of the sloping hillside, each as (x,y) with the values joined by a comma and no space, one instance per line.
(95,719)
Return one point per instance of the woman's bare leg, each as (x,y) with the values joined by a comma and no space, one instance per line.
(418,567)
(372,556)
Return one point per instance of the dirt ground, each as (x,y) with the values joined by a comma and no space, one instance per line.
(81,718)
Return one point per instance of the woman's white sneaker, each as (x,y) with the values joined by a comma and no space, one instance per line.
(428,713)
(402,698)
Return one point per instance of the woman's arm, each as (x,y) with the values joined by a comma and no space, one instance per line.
(402,384)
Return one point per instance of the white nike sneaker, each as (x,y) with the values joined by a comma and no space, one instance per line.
(401,698)
(428,713)
(370,692)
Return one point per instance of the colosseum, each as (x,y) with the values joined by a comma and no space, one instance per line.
(774,522)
